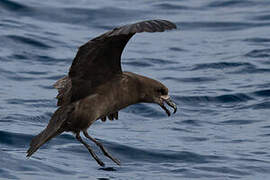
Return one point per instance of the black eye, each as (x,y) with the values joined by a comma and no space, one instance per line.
(161,91)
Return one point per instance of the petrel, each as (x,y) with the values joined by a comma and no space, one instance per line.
(97,88)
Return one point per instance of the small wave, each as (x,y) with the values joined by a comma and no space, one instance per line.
(265,17)
(254,168)
(20,164)
(180,130)
(194,139)
(252,160)
(221,65)
(44,59)
(177,49)
(34,72)
(263,105)
(219,26)
(230,3)
(259,152)
(190,122)
(159,61)
(232,98)
(107,169)
(160,156)
(46,86)
(13,6)
(265,135)
(262,93)
(191,80)
(14,139)
(28,41)
(238,122)
(259,53)
(266,127)
(168,6)
(18,56)
(26,101)
(258,40)
(48,59)
(137,64)
(251,70)
(16,77)
(224,170)
(227,98)
(4,72)
(104,12)
(95,18)
(147,62)
(6,174)
(22,75)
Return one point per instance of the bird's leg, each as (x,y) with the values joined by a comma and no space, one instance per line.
(78,137)
(105,152)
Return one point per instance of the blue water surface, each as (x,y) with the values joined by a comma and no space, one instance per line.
(216,65)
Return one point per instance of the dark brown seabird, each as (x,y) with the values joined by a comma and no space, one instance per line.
(96,87)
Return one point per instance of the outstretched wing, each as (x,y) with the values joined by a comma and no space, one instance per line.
(99,59)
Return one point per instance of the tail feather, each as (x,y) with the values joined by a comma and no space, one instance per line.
(39,140)
(53,129)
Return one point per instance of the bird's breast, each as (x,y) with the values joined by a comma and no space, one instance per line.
(118,94)
(107,99)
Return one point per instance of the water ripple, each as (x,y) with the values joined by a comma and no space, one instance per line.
(221,65)
(224,170)
(262,93)
(153,156)
(263,105)
(258,40)
(13,6)
(265,17)
(28,41)
(238,122)
(191,80)
(259,53)
(227,98)
(230,3)
(172,6)
(220,26)
(14,139)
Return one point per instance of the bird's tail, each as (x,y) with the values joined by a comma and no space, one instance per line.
(53,129)
(41,139)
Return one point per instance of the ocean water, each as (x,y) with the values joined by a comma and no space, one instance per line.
(216,65)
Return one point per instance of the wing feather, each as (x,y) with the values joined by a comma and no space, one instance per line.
(98,60)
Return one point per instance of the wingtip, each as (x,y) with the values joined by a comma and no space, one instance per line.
(154,25)
(171,24)
(163,24)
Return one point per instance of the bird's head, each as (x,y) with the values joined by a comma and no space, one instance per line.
(153,91)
